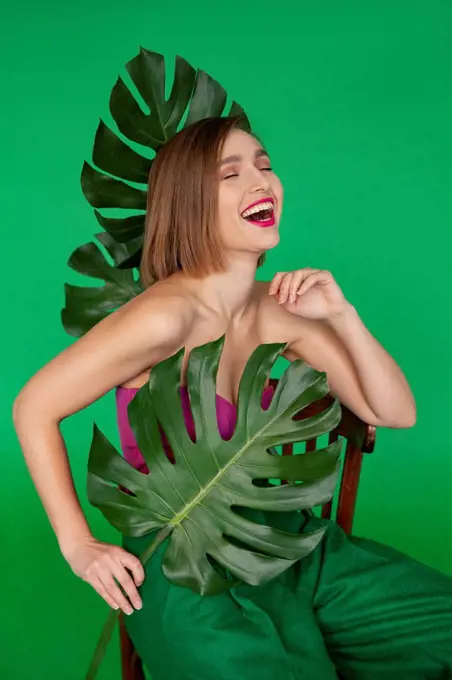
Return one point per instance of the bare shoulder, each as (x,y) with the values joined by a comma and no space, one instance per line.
(165,308)
(144,331)
(312,340)
(275,323)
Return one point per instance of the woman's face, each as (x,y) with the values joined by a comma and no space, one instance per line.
(248,184)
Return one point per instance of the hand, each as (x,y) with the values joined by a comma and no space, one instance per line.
(310,293)
(99,564)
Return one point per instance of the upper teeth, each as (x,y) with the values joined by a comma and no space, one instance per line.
(268,205)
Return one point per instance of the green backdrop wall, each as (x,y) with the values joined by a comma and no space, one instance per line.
(354,101)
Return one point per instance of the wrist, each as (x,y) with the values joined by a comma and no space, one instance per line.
(342,319)
(69,542)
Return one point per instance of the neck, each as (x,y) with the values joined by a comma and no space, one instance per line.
(230,294)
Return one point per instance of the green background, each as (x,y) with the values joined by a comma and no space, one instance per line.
(354,101)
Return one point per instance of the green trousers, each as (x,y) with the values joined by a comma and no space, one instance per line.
(353,608)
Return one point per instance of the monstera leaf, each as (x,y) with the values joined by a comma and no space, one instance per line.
(106,183)
(201,501)
(195,497)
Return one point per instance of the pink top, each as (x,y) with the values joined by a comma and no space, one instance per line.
(226,419)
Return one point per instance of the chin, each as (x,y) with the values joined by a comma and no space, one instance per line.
(270,239)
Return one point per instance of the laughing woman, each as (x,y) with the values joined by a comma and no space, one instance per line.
(352,607)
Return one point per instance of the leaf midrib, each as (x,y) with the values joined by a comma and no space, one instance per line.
(177,519)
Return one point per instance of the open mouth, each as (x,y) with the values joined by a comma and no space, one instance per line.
(260,213)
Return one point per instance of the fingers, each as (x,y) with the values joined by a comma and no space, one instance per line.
(135,566)
(276,281)
(122,576)
(286,285)
(318,278)
(110,572)
(301,277)
(284,288)
(103,592)
(114,592)
(109,569)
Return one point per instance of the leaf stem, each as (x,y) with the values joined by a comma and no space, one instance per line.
(152,547)
(102,644)
(113,615)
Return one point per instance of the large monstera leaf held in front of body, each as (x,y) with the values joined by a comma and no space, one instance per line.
(195,497)
(119,174)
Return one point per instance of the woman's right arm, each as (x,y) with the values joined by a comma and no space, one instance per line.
(139,335)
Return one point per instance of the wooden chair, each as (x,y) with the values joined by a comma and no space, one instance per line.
(360,439)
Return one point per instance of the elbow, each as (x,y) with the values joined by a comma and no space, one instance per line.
(29,408)
(412,417)
(403,422)
(19,414)
(409,415)
(23,407)
(406,423)
(16,410)
(411,420)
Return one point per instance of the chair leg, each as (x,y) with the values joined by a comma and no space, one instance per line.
(131,664)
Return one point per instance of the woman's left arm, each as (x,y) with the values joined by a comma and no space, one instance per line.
(335,340)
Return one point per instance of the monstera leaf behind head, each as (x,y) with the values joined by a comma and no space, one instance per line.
(107,185)
(196,496)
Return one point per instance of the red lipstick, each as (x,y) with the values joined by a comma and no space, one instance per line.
(270,222)
(264,223)
(261,200)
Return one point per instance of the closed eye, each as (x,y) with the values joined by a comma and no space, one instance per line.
(236,174)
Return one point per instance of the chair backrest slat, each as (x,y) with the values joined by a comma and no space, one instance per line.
(359,438)
(311,445)
(287,449)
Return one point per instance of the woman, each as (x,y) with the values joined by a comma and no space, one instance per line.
(352,606)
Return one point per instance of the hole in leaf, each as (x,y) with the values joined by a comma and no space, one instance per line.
(123,489)
(186,411)
(166,445)
(260,482)
(217,567)
(244,546)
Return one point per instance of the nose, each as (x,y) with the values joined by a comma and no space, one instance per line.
(259,180)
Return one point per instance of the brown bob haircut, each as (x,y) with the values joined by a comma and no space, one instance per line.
(182,203)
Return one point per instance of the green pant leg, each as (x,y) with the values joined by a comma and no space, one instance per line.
(383,615)
(248,633)
(181,635)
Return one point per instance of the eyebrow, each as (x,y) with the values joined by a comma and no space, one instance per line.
(236,159)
